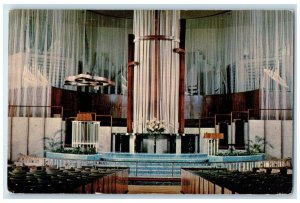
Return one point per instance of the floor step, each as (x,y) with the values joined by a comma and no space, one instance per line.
(154,165)
(154,181)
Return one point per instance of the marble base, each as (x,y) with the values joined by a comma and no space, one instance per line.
(258,157)
(88,157)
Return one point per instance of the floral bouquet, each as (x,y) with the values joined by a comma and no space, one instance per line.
(155,126)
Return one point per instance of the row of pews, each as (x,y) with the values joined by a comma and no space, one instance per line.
(222,181)
(84,180)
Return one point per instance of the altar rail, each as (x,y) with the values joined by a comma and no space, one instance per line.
(171,167)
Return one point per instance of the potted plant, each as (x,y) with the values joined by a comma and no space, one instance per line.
(258,146)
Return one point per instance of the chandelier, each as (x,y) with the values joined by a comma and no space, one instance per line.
(86,79)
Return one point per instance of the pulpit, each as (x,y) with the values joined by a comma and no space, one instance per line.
(85,131)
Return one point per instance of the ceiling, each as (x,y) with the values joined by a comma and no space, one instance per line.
(185,14)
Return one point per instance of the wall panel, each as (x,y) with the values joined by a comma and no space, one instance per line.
(277,133)
(287,131)
(116,105)
(273,137)
(36,136)
(104,139)
(32,130)
(19,136)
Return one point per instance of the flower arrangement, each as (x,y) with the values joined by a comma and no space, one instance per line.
(155,126)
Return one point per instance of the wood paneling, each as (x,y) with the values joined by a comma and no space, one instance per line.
(224,104)
(245,100)
(181,77)
(56,96)
(130,84)
(116,105)
(76,101)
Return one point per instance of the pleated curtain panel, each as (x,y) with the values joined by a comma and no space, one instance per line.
(233,52)
(45,46)
(243,51)
(167,84)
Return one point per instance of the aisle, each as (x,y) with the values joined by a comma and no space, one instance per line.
(154,189)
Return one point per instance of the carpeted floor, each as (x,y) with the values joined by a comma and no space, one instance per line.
(154,189)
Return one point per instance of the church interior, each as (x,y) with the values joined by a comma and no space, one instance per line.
(131,101)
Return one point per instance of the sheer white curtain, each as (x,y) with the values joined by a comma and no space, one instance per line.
(168,70)
(107,41)
(45,46)
(254,48)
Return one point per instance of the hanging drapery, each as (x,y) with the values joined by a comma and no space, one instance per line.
(45,46)
(156,78)
(242,51)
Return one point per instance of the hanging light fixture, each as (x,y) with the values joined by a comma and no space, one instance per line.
(86,79)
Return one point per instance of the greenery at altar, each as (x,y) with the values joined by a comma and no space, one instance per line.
(76,150)
(56,146)
(255,147)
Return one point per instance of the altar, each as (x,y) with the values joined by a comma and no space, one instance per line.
(85,134)
(155,143)
(151,143)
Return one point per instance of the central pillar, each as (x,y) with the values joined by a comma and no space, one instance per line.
(156,78)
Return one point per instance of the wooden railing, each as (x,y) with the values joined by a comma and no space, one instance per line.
(35,111)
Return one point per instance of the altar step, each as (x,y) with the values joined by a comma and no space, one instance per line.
(154,170)
(154,165)
(151,155)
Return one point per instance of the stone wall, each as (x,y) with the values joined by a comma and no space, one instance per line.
(279,134)
(26,135)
